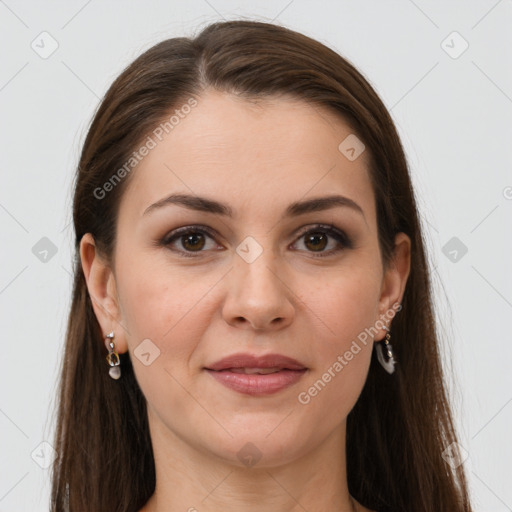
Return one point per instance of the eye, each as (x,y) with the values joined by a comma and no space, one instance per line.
(189,240)
(194,239)
(319,237)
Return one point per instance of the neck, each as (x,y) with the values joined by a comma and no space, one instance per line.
(188,479)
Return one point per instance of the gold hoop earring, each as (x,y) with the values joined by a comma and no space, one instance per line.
(112,357)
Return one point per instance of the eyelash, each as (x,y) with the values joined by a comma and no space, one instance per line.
(329,229)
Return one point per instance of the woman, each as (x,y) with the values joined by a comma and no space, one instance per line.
(247,248)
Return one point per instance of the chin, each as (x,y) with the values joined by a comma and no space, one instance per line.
(257,449)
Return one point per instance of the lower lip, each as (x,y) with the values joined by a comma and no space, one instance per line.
(257,384)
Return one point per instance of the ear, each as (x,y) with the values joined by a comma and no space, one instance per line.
(393,282)
(101,285)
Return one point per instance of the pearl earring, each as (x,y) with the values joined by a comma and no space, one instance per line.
(385,353)
(112,357)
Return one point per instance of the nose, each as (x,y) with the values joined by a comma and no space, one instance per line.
(257,297)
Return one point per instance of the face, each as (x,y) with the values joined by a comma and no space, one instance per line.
(194,283)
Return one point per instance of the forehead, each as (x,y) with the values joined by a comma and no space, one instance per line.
(251,154)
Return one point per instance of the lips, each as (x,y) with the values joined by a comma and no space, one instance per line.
(253,371)
(251,364)
(257,375)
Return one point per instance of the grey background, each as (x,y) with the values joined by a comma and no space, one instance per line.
(454,118)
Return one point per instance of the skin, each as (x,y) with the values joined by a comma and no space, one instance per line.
(257,158)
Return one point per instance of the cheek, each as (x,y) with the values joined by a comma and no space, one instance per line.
(155,298)
(333,390)
(162,304)
(346,308)
(345,303)
(163,311)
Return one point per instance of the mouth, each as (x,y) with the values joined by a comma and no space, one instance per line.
(257,375)
(256,371)
(257,363)
(257,381)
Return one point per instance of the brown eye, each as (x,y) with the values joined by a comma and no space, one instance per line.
(193,241)
(190,241)
(316,241)
(325,240)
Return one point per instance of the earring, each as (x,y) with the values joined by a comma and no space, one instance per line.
(385,353)
(112,357)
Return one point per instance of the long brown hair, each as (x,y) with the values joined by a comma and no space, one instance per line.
(400,426)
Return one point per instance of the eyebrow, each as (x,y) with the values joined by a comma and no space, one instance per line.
(203,204)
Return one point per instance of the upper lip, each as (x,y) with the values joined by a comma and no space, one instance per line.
(253,361)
